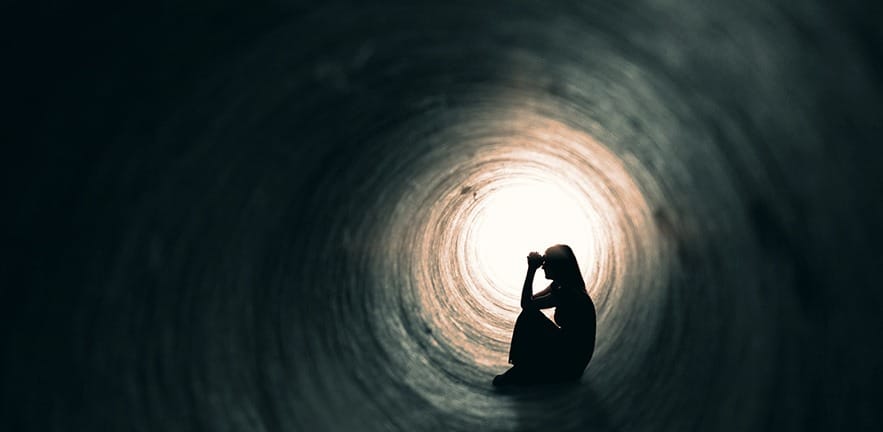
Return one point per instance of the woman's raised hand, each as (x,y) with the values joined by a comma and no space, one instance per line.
(534,260)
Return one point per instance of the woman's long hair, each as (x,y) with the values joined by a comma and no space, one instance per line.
(564,260)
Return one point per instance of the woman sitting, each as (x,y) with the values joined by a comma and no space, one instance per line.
(543,351)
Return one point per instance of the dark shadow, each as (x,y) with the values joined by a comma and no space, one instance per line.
(574,405)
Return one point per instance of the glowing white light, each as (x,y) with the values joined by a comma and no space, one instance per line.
(464,253)
(519,218)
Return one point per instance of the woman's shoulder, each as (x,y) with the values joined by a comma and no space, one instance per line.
(572,290)
(575,297)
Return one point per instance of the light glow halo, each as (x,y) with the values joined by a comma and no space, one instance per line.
(463,255)
(527,215)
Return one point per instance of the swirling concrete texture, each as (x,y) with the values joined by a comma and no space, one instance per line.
(274,216)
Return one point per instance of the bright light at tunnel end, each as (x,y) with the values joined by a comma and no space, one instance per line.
(520,217)
(545,183)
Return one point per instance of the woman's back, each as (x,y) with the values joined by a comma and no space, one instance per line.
(575,314)
(575,311)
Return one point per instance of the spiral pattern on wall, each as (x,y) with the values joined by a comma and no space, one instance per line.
(326,230)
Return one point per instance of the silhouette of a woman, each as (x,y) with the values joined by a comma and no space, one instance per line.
(543,351)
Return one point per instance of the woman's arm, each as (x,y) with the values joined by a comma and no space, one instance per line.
(543,299)
(545,291)
(527,289)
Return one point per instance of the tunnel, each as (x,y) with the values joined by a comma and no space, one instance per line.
(294,216)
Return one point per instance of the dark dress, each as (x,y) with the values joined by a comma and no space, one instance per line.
(544,351)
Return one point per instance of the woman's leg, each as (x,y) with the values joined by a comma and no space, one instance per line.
(533,337)
(534,343)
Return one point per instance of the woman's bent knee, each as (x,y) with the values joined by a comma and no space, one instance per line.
(530,314)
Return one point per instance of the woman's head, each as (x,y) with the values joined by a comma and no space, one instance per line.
(560,266)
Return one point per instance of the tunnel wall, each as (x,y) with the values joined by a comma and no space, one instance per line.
(252,217)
